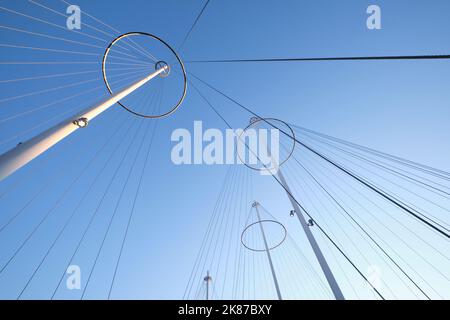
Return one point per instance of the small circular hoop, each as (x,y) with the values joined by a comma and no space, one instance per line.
(163,64)
(105,79)
(259,222)
(254,121)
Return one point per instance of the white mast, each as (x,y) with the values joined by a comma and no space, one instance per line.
(23,153)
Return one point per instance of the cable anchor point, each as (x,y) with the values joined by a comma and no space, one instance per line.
(163,64)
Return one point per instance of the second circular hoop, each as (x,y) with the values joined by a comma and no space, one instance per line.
(105,78)
(253,122)
(260,222)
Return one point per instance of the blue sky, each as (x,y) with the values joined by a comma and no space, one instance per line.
(400,107)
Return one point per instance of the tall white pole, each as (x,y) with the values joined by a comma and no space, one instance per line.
(269,257)
(23,153)
(312,241)
(306,228)
(207,280)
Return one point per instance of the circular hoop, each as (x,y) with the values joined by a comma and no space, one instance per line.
(255,120)
(129,34)
(258,222)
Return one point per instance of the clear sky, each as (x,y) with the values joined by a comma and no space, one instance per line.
(400,107)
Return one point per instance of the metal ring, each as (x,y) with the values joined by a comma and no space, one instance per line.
(105,55)
(253,122)
(261,221)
